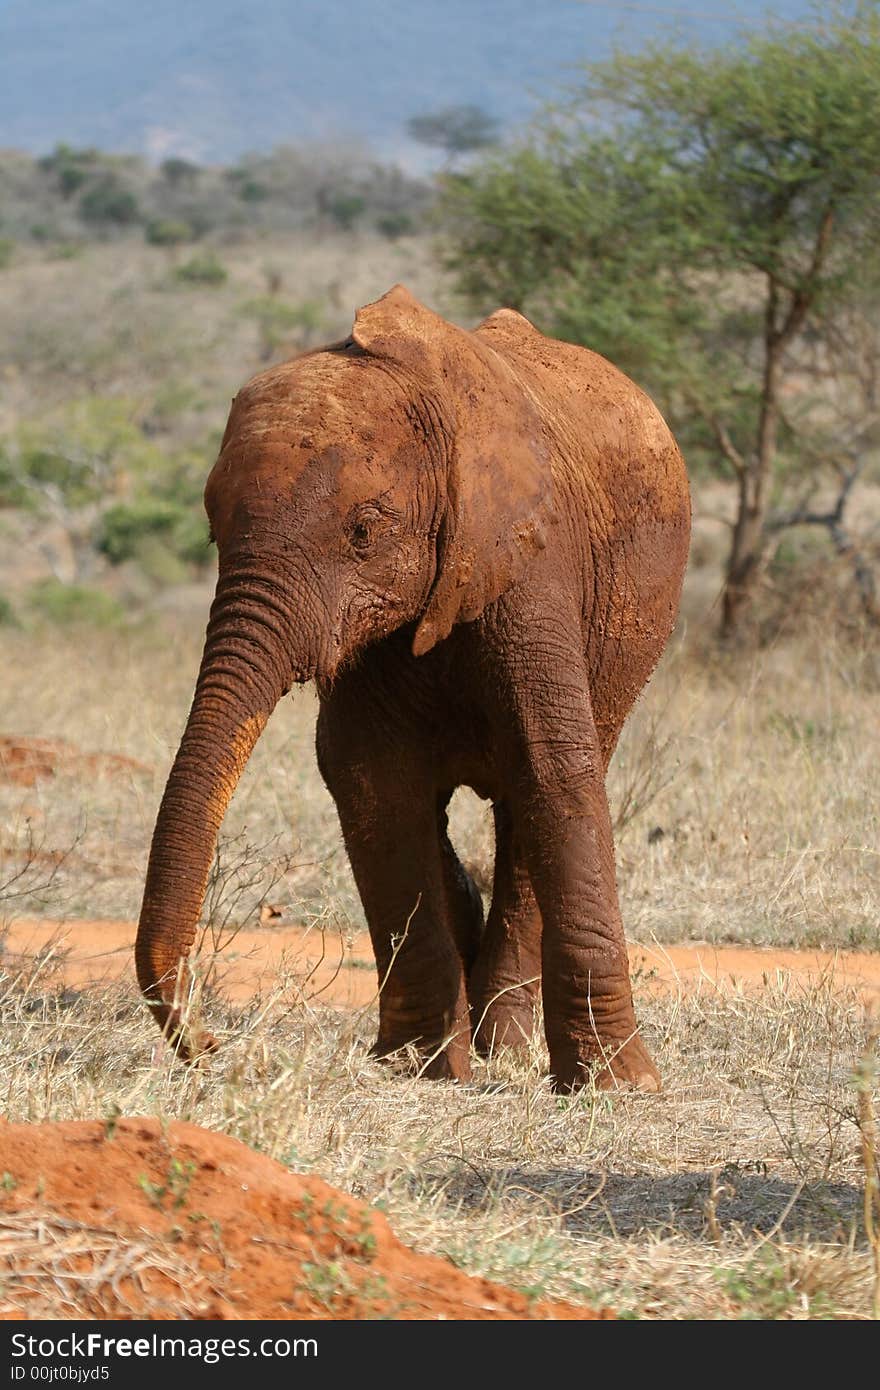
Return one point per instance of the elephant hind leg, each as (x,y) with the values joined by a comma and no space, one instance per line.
(505,982)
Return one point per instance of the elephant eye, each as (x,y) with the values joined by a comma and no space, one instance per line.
(361,529)
(368,524)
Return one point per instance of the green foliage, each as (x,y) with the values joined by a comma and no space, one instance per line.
(174,396)
(769,1287)
(76,454)
(282,324)
(395,225)
(345,209)
(66,605)
(13,488)
(190,536)
(66,251)
(252,191)
(278,190)
(646,217)
(7,248)
(168,231)
(71,168)
(7,613)
(71,178)
(123,527)
(109,202)
(179,172)
(143,503)
(127,531)
(201,270)
(174,1190)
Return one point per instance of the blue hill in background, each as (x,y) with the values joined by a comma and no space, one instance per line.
(211,79)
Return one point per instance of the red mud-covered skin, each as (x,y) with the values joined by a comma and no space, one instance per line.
(474,543)
(251,1239)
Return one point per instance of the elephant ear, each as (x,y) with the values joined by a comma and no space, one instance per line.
(498,494)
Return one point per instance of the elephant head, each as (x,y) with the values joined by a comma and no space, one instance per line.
(397,478)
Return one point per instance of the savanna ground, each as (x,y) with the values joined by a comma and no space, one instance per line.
(744,792)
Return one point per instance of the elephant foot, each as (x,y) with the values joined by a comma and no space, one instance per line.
(190,1045)
(621,1066)
(193,1048)
(449,1063)
(503,1026)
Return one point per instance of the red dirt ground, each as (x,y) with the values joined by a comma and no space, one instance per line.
(141,1219)
(333,972)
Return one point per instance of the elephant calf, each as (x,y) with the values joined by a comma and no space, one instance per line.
(474,544)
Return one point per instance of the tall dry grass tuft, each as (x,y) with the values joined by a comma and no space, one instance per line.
(866,1077)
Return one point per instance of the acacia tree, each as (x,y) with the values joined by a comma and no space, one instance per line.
(696,215)
(456,129)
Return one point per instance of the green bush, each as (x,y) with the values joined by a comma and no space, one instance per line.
(77,451)
(127,532)
(157,560)
(71,178)
(66,251)
(67,604)
(394,225)
(71,168)
(7,247)
(14,491)
(345,209)
(251,191)
(280,323)
(202,270)
(190,537)
(7,613)
(168,231)
(109,201)
(177,171)
(123,526)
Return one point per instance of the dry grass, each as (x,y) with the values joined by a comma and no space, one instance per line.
(114,320)
(70,1269)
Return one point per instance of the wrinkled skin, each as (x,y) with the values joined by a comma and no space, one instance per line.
(474,544)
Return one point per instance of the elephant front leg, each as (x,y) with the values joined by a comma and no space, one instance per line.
(422,993)
(561,816)
(389,822)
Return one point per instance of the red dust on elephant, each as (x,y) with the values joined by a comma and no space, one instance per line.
(474,544)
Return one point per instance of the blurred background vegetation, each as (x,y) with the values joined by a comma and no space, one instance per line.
(708,218)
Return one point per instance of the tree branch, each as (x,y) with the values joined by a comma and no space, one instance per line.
(803,296)
(802,516)
(727,446)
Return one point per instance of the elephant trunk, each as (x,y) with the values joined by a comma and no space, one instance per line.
(246,667)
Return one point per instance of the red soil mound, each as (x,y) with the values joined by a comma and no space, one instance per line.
(138,1219)
(26,761)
